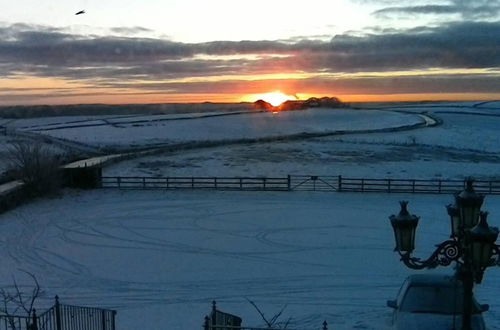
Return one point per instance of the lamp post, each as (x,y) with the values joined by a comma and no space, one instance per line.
(471,245)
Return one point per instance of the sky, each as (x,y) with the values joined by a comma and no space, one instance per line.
(163,51)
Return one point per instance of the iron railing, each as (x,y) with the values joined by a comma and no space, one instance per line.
(62,317)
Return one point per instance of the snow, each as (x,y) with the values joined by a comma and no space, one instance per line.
(458,131)
(232,127)
(9,187)
(160,258)
(463,145)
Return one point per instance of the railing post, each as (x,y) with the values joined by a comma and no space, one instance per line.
(289,182)
(34,324)
(264,183)
(103,319)
(192,182)
(119,181)
(215,182)
(214,313)
(413,186)
(143,183)
(325,325)
(491,190)
(362,185)
(339,184)
(241,183)
(206,324)
(58,314)
(167,183)
(389,185)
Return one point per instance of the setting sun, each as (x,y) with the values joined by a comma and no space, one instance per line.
(275,98)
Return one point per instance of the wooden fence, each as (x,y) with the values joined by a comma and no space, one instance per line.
(302,183)
(434,186)
(62,317)
(218,183)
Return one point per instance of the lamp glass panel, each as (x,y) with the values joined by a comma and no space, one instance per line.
(481,254)
(407,237)
(455,225)
(470,216)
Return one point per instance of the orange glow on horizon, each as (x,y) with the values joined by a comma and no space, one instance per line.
(274,98)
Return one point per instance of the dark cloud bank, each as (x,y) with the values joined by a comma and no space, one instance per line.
(110,61)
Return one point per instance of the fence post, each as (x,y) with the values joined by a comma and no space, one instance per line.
(339,184)
(206,324)
(103,319)
(119,180)
(214,313)
(241,183)
(413,186)
(439,186)
(58,314)
(167,183)
(192,182)
(34,325)
(388,185)
(289,183)
(215,182)
(362,185)
(325,325)
(491,187)
(264,183)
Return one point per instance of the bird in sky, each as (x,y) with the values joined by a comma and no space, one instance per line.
(80,12)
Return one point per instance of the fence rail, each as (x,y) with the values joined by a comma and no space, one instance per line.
(219,183)
(435,186)
(62,317)
(302,183)
(229,327)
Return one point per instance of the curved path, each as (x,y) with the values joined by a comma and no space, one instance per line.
(103,156)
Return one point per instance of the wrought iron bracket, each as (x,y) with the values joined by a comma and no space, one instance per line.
(445,253)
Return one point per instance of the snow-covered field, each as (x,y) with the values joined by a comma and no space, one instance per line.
(160,258)
(167,130)
(465,144)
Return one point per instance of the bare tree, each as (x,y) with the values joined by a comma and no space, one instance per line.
(36,165)
(16,303)
(272,323)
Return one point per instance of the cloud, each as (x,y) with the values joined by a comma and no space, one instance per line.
(131,30)
(111,61)
(468,10)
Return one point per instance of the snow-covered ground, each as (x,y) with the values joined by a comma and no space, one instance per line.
(464,145)
(160,258)
(133,132)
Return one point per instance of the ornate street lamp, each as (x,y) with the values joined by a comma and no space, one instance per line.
(469,204)
(482,243)
(404,226)
(471,245)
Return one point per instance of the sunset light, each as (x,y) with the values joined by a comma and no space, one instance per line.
(274,98)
